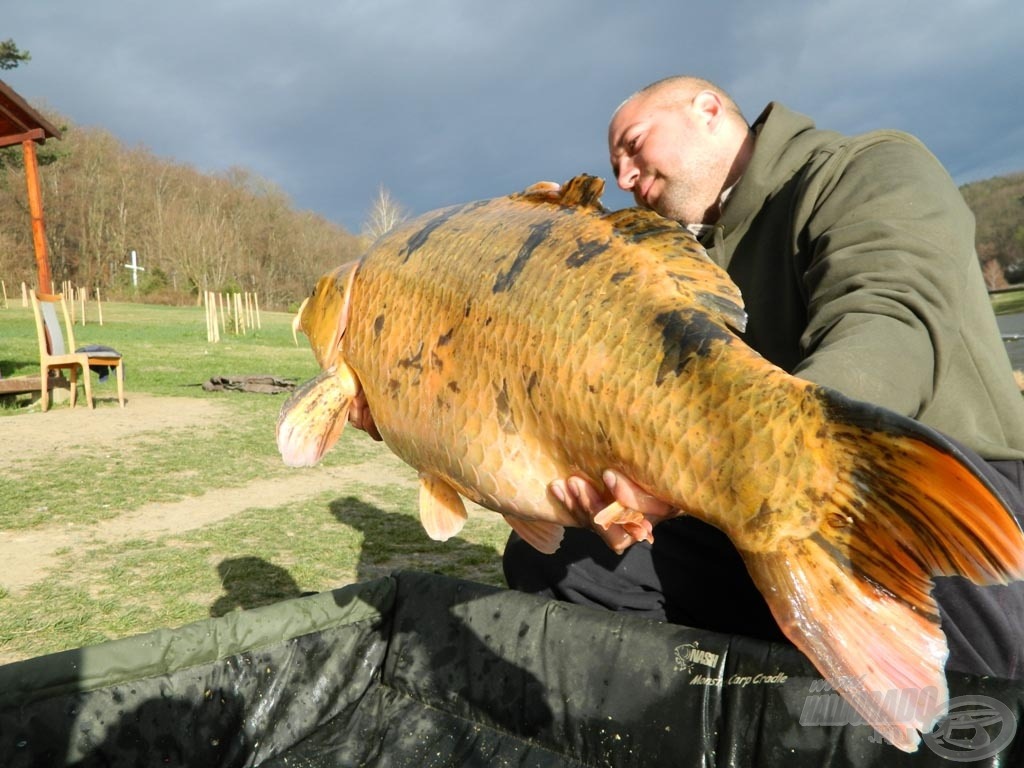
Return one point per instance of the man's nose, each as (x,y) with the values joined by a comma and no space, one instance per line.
(627,175)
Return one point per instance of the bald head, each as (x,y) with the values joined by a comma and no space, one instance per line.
(678,90)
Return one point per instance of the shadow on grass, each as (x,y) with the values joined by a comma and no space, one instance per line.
(396,541)
(250,582)
(8,367)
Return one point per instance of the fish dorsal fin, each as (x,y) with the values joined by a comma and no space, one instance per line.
(683,259)
(583,191)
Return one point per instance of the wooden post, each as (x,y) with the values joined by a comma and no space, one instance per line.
(5,292)
(256,302)
(35,207)
(24,294)
(99,307)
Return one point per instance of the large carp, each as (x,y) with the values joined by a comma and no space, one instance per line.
(506,343)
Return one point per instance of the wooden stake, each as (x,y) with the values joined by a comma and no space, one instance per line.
(2,283)
(206,314)
(256,301)
(99,307)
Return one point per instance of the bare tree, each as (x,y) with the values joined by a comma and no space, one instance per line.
(384,216)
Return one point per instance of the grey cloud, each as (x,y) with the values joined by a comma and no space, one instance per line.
(456,100)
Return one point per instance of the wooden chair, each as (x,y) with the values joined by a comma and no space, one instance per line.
(54,350)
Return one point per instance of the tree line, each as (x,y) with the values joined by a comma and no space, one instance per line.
(998,206)
(193,232)
(234,231)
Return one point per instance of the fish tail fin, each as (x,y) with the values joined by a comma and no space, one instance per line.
(870,646)
(312,419)
(855,595)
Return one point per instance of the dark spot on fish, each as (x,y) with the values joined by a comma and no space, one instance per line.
(644,231)
(393,387)
(729,310)
(538,234)
(618,277)
(413,361)
(378,325)
(830,549)
(445,338)
(454,386)
(488,321)
(816,498)
(837,520)
(592,388)
(469,306)
(686,335)
(435,361)
(418,240)
(531,384)
(505,419)
(585,251)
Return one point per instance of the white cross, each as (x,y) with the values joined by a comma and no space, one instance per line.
(135,268)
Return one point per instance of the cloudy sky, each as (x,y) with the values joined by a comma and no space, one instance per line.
(444,101)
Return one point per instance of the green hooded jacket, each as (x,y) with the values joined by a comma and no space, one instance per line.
(856,260)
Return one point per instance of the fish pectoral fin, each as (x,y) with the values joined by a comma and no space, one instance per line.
(873,647)
(616,513)
(542,536)
(442,511)
(312,419)
(615,520)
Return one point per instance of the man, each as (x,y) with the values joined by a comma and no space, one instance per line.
(855,257)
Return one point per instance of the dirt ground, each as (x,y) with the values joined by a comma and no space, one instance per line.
(28,555)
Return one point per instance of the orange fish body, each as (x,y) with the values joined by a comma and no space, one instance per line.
(507,343)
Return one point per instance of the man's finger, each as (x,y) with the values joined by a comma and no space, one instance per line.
(632,496)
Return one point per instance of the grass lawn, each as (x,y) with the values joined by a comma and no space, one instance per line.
(108,580)
(1009,301)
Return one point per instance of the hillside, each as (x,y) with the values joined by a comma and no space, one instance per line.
(193,232)
(998,206)
(237,232)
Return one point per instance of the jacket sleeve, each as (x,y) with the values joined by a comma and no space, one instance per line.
(890,239)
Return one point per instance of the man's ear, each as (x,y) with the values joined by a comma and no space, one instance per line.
(709,109)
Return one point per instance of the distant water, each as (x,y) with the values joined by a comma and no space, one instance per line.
(1014,324)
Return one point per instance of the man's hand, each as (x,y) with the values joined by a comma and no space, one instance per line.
(622,516)
(359,415)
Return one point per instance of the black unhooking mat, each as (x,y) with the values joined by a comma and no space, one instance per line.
(421,670)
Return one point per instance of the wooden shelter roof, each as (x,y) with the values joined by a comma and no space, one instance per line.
(18,121)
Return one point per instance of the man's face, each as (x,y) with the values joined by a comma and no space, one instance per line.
(657,153)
